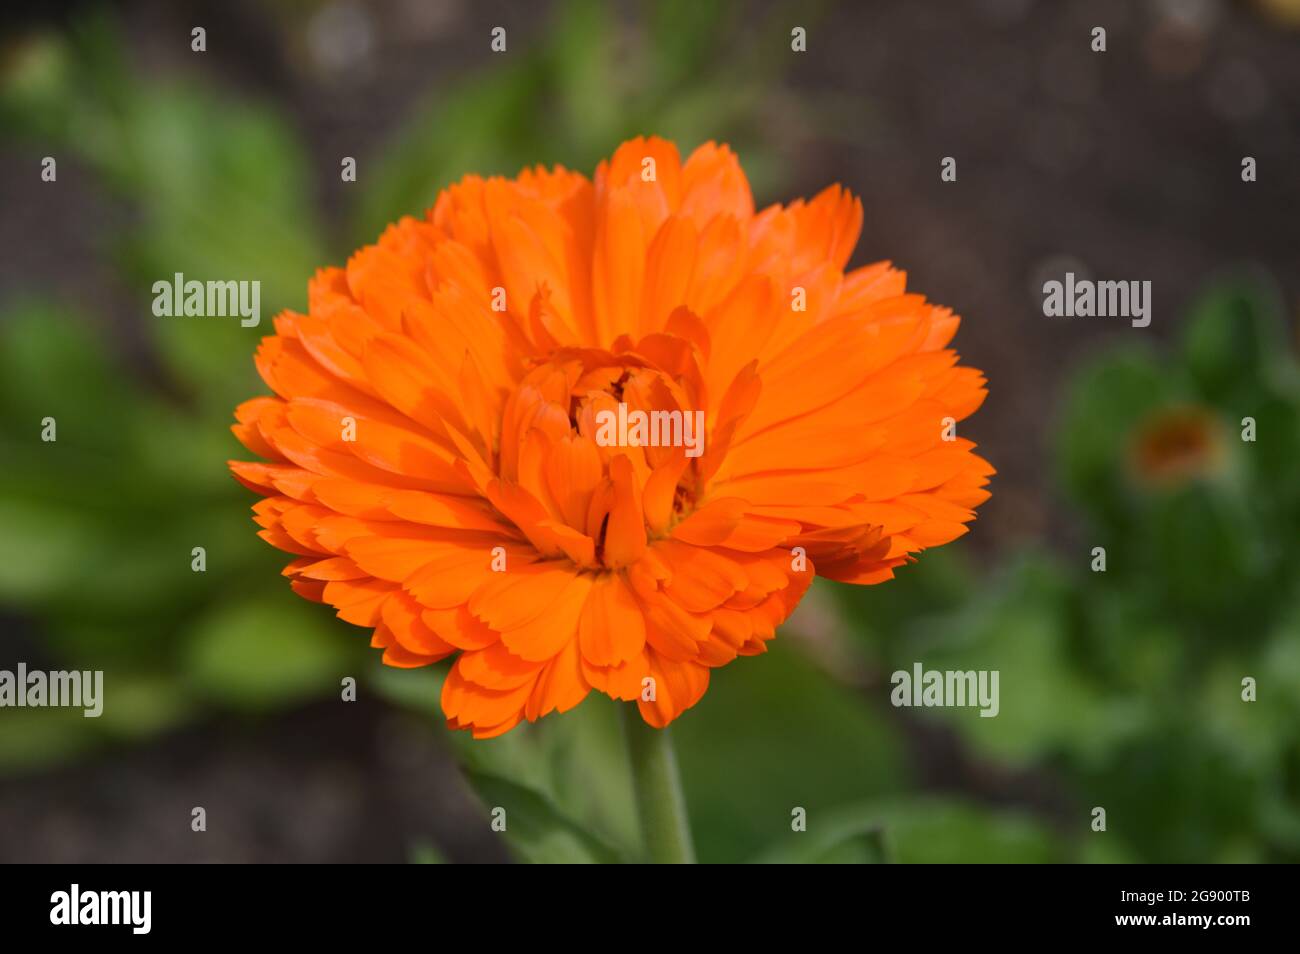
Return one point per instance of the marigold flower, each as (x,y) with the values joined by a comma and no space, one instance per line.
(1175,445)
(432,454)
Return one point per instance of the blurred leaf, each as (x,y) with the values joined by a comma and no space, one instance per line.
(852,844)
(36,739)
(263,651)
(683,35)
(424,853)
(75,563)
(575,759)
(586,753)
(919,831)
(879,617)
(228,202)
(771,734)
(1103,402)
(37,547)
(1018,628)
(1205,562)
(416,689)
(535,829)
(489,126)
(584,88)
(52,364)
(219,186)
(1128,643)
(1175,796)
(133,706)
(138,705)
(592,86)
(1273,460)
(1232,335)
(1262,730)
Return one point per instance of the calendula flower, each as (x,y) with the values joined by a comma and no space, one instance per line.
(1175,445)
(600,434)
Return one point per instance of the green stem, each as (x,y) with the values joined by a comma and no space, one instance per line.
(665,828)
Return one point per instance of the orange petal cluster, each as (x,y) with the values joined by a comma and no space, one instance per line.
(431,454)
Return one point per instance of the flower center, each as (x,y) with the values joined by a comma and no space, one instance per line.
(608,447)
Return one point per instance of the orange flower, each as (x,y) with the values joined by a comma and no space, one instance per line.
(1175,445)
(440,463)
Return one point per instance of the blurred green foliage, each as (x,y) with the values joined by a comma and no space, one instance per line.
(97,528)
(1124,687)
(589,85)
(1119,688)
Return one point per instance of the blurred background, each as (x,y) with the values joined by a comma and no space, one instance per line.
(1120,689)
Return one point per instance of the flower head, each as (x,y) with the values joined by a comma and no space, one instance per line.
(600,434)
(1175,445)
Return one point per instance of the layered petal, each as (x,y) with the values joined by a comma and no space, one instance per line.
(577,434)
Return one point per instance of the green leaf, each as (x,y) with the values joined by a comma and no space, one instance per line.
(576,759)
(1019,628)
(491,125)
(425,853)
(1232,335)
(416,689)
(265,651)
(220,188)
(1201,560)
(878,618)
(1103,402)
(138,705)
(228,202)
(32,740)
(924,830)
(1177,795)
(38,546)
(592,87)
(772,733)
(1272,460)
(53,364)
(536,830)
